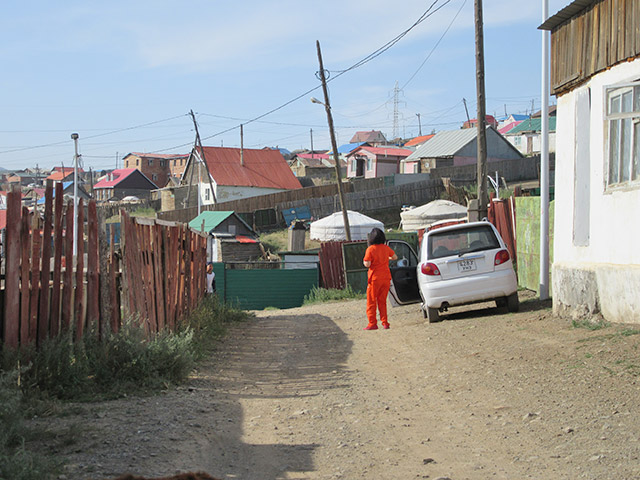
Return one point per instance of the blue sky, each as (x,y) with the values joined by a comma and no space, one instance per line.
(124,75)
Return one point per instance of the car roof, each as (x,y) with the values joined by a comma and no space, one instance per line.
(460,226)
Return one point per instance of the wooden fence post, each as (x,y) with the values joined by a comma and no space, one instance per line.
(45,265)
(79,313)
(57,261)
(93,281)
(67,282)
(12,271)
(34,290)
(24,277)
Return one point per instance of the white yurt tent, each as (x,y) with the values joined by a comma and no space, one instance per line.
(422,217)
(332,227)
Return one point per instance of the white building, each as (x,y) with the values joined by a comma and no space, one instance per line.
(596,266)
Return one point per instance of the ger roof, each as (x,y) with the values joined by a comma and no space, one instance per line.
(445,144)
(260,168)
(532,125)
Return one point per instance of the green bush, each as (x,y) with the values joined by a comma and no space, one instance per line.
(124,362)
(318,295)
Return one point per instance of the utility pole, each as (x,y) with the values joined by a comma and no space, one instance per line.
(311,133)
(464,101)
(419,125)
(334,145)
(74,137)
(199,159)
(483,198)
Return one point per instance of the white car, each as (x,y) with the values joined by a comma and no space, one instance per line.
(458,265)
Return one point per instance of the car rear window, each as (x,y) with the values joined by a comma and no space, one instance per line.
(461,241)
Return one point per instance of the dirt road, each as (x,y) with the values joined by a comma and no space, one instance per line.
(306,393)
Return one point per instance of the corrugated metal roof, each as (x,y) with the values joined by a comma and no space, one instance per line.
(386,151)
(211,220)
(348,147)
(566,13)
(444,144)
(532,125)
(261,168)
(115,177)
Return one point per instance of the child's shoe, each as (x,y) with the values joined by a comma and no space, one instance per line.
(385,326)
(371,326)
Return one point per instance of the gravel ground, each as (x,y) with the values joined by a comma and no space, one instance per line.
(307,393)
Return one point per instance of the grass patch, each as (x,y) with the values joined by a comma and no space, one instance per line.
(590,325)
(16,462)
(128,362)
(319,295)
(278,241)
(146,212)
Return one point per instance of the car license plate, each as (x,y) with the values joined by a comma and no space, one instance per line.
(466,265)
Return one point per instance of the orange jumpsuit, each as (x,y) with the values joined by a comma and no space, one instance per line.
(378,280)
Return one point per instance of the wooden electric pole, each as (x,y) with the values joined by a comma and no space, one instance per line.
(483,198)
(334,145)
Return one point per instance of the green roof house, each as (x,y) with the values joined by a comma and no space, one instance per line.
(526,136)
(231,239)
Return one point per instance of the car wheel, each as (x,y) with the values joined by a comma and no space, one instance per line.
(501,302)
(433,315)
(424,312)
(513,304)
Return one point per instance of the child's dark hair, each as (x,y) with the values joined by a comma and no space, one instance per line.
(376,237)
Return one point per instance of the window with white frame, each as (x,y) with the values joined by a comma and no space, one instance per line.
(354,165)
(369,164)
(623,119)
(207,192)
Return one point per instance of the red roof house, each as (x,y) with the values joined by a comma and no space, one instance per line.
(414,142)
(240,173)
(122,183)
(371,162)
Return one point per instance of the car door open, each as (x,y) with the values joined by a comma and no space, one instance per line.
(404,283)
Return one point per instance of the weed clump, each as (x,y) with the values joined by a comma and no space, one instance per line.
(319,295)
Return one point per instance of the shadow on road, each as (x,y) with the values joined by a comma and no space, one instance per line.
(528,304)
(279,357)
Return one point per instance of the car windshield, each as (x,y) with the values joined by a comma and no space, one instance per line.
(461,241)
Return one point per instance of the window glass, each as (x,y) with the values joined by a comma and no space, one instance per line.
(369,163)
(406,256)
(461,241)
(623,111)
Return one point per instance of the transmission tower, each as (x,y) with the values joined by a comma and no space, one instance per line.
(396,93)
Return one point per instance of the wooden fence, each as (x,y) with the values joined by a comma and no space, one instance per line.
(163,271)
(162,275)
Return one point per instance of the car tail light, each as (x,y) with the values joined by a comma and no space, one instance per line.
(430,269)
(501,257)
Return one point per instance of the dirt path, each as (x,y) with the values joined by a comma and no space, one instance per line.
(306,393)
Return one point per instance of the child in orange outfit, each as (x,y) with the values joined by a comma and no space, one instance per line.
(376,259)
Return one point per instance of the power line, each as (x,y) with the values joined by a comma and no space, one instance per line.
(436,45)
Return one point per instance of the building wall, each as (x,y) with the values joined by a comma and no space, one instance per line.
(597,259)
(530,143)
(155,169)
(225,193)
(386,166)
